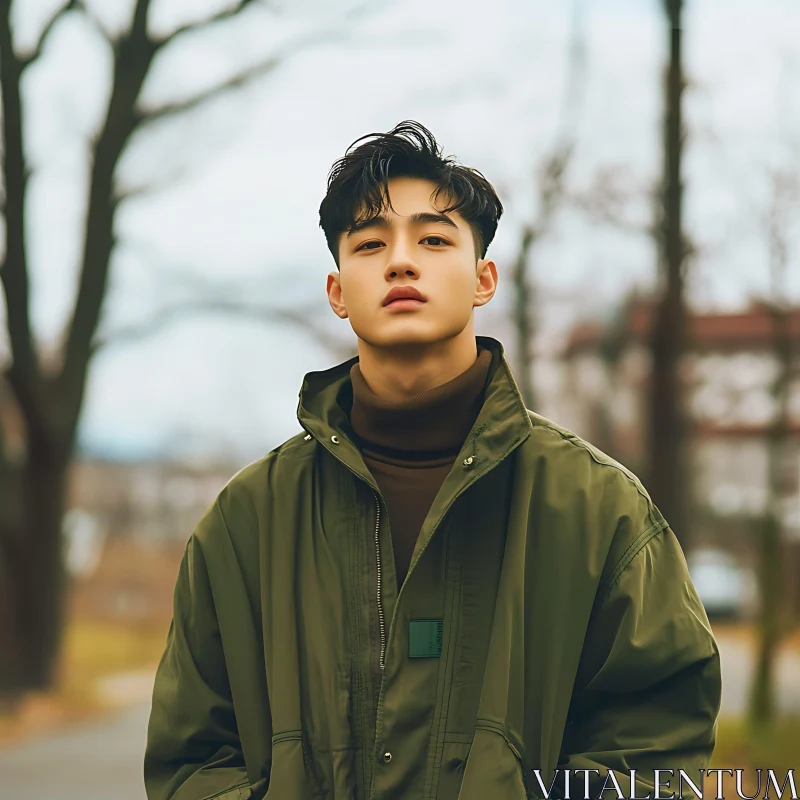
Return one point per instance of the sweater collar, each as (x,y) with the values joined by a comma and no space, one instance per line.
(433,422)
(326,396)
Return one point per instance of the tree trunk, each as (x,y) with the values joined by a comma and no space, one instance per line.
(667,433)
(524,320)
(31,563)
(37,578)
(770,572)
(771,567)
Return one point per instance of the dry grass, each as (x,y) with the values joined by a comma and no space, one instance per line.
(738,748)
(133,584)
(117,623)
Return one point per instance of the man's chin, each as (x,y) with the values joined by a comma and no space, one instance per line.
(406,340)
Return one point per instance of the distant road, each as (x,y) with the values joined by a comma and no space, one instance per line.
(737,659)
(103,760)
(96,761)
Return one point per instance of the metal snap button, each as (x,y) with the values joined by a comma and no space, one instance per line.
(307,436)
(387,757)
(468,461)
(335,439)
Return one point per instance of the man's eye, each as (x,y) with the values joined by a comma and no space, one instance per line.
(438,238)
(366,246)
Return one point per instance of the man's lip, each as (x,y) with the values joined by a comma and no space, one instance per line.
(405,300)
(406,293)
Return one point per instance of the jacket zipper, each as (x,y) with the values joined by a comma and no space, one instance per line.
(378,560)
(378,554)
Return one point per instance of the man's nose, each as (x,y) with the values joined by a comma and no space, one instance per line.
(401,259)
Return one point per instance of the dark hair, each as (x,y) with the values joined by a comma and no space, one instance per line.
(358,184)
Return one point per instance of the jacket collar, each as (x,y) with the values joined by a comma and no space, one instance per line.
(502,423)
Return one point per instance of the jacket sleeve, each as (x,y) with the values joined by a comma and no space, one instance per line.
(648,687)
(193,750)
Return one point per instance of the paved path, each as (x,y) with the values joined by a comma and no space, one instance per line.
(103,760)
(96,761)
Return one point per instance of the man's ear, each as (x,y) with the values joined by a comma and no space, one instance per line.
(486,282)
(334,290)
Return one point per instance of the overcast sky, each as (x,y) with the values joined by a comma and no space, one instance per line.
(250,171)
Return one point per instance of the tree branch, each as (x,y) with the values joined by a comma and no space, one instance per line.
(23,374)
(72,5)
(220,16)
(241,78)
(133,54)
(302,318)
(138,31)
(321,35)
(600,212)
(550,190)
(146,117)
(165,180)
(605,201)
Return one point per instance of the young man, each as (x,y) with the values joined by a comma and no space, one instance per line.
(432,592)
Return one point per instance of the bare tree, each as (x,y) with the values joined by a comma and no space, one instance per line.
(604,202)
(49,395)
(667,420)
(771,574)
(194,295)
(550,192)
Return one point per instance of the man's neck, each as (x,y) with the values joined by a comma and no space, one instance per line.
(395,374)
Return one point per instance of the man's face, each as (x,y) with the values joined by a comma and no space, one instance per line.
(412,245)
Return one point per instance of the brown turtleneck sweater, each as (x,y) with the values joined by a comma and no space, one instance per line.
(410,445)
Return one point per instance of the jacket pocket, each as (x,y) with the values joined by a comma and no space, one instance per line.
(215,783)
(241,792)
(292,774)
(451,773)
(494,767)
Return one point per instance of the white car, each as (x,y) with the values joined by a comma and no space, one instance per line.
(726,588)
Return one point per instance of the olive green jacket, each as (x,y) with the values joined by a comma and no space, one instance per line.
(547,620)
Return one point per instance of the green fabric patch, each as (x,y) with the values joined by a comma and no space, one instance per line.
(425,638)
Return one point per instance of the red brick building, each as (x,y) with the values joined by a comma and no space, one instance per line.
(728,369)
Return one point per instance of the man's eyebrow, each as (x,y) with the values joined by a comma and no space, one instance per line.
(419,218)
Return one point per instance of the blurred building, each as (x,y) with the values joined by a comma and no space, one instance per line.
(154,499)
(728,371)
